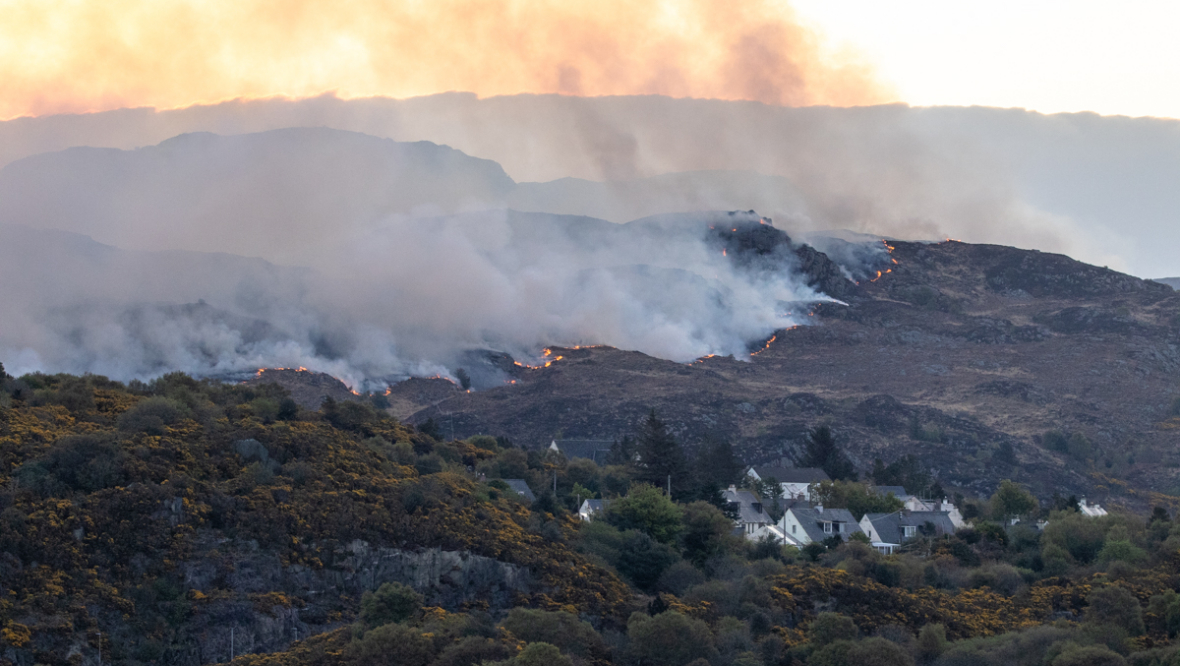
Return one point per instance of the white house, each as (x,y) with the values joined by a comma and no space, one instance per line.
(887,531)
(591,508)
(1091,510)
(914,503)
(752,517)
(794,481)
(806,524)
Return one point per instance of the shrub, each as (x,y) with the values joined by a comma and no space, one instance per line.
(151,416)
(391,645)
(392,602)
(669,639)
(1115,606)
(931,642)
(828,628)
(1093,655)
(541,654)
(564,630)
(472,651)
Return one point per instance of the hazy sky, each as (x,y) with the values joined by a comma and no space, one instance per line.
(1076,55)
(1049,55)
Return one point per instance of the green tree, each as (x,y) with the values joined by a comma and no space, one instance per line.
(707,532)
(1164,611)
(392,602)
(391,645)
(647,509)
(873,651)
(1011,501)
(668,639)
(660,457)
(1091,655)
(714,468)
(820,450)
(931,642)
(856,497)
(830,627)
(1116,606)
(564,630)
(473,650)
(541,654)
(643,560)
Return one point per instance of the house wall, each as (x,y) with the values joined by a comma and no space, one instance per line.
(797,490)
(866,526)
(791,526)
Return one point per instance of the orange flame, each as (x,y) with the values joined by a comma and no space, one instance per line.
(87,56)
(772,339)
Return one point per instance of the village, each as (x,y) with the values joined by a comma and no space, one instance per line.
(794,515)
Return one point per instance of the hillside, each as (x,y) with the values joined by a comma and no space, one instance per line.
(181,523)
(958,352)
(162,515)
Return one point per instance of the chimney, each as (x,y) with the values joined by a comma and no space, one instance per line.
(819,508)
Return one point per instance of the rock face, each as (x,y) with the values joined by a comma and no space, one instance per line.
(269,604)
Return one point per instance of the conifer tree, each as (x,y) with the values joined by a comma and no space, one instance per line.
(820,450)
(660,456)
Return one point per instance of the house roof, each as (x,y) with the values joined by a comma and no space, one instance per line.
(790,474)
(812,519)
(750,508)
(591,449)
(521,488)
(889,525)
(897,491)
(593,506)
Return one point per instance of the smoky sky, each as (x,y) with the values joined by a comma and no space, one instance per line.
(1096,188)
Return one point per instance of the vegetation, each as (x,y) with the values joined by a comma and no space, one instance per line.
(163,514)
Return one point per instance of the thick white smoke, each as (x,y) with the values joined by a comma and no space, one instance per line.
(411,296)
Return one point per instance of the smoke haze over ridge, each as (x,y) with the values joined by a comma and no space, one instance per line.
(361,214)
(390,290)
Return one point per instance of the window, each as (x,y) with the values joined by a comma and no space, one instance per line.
(793,528)
(827,528)
(908,530)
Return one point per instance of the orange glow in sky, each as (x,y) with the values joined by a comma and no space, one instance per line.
(61,56)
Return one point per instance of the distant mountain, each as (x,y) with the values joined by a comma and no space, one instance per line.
(1171,282)
(1097,188)
(281,195)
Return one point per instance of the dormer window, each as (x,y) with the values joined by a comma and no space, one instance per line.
(827,528)
(908,530)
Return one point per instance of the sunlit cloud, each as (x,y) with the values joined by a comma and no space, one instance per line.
(78,56)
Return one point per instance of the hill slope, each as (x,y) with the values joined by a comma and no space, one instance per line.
(957,354)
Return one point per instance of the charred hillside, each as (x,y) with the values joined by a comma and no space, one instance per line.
(989,362)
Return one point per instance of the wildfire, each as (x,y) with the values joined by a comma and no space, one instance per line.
(262,370)
(772,339)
